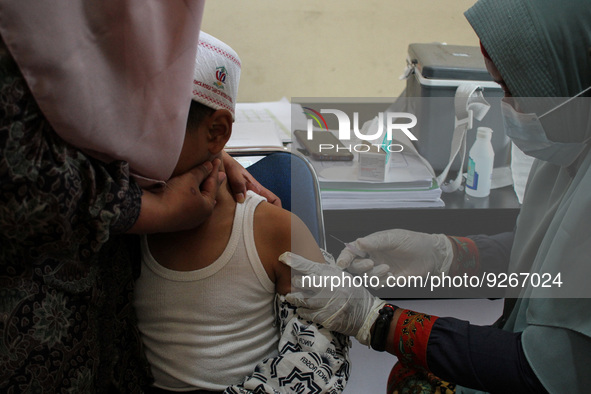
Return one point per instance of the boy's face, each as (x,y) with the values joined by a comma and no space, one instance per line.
(204,141)
(195,149)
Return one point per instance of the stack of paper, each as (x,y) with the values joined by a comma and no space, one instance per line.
(275,117)
(254,134)
(410,183)
(369,198)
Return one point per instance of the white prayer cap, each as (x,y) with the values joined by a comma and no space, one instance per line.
(217,74)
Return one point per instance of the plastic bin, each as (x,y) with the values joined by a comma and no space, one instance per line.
(435,72)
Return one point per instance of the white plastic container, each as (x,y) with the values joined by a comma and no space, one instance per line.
(438,70)
(480,164)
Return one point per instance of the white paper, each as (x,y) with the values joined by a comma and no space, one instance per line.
(277,112)
(406,167)
(254,134)
(410,182)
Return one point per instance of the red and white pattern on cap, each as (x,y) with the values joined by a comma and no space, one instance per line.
(221,52)
(203,85)
(216,103)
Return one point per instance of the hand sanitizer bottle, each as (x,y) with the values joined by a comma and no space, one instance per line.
(480,164)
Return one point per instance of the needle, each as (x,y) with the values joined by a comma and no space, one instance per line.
(352,248)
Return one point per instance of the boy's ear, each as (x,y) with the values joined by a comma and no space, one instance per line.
(219,130)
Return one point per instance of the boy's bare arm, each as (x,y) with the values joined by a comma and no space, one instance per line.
(278,231)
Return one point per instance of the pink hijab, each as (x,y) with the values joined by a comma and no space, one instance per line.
(111,76)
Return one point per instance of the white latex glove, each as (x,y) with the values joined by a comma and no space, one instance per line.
(348,310)
(404,252)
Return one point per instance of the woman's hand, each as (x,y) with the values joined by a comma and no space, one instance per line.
(403,252)
(183,203)
(240,181)
(329,299)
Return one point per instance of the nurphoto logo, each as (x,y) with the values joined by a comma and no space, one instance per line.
(402,121)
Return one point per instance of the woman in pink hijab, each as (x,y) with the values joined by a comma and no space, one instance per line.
(93,105)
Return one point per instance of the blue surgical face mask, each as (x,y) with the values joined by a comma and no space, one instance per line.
(526,131)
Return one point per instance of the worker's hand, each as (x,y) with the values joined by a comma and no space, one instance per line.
(183,203)
(342,308)
(404,252)
(240,181)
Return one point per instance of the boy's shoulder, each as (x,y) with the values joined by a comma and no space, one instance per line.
(278,231)
(274,223)
(287,229)
(280,223)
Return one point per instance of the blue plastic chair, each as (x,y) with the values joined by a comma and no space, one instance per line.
(293,179)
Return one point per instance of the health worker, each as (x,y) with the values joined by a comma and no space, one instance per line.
(540,53)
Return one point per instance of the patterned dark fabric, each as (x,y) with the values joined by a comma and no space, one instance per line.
(66,323)
(311,359)
(405,380)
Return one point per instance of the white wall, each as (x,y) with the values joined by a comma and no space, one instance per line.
(330,48)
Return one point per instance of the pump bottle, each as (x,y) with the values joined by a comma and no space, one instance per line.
(480,164)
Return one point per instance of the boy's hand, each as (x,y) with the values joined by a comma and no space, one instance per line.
(240,181)
(184,203)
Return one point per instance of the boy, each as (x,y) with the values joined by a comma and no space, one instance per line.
(206,297)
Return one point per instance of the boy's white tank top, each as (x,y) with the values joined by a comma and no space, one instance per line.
(208,328)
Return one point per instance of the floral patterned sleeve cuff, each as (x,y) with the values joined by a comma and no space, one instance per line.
(466,260)
(411,337)
(128,196)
